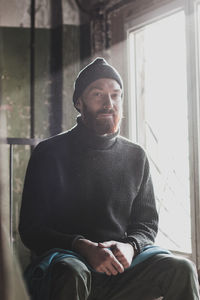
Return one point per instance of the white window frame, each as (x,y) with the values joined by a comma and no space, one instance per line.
(146,16)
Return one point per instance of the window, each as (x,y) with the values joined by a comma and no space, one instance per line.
(161,117)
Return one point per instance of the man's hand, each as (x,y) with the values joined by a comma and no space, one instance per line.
(99,257)
(124,252)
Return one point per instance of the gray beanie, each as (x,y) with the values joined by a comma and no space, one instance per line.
(99,68)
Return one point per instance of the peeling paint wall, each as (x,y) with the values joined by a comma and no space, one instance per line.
(15,80)
(15,95)
(15,63)
(15,91)
(15,13)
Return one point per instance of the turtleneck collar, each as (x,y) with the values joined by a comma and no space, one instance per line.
(92,140)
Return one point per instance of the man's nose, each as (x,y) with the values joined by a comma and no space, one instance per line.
(108,103)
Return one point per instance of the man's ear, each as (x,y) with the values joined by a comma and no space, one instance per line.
(78,104)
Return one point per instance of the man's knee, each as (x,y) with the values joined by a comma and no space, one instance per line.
(173,266)
(182,267)
(186,266)
(182,264)
(70,278)
(71,268)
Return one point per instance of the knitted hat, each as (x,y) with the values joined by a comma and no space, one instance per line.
(99,68)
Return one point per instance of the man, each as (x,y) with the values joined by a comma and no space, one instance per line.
(89,207)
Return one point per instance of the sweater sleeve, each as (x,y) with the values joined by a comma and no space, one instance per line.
(35,226)
(143,225)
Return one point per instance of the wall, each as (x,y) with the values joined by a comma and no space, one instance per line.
(56,63)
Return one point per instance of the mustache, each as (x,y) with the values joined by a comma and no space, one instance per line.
(105,111)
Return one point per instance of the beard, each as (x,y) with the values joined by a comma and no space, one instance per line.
(100,125)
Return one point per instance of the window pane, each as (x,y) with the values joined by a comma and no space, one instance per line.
(158,56)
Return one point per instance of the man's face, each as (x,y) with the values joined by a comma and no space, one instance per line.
(101,106)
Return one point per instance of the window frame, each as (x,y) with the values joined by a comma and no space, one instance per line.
(145,17)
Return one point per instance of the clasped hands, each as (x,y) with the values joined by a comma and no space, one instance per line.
(110,257)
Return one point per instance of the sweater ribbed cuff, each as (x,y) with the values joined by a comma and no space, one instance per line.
(134,243)
(75,239)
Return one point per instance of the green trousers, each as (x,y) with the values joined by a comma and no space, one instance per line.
(162,275)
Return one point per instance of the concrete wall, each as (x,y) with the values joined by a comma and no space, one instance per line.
(15,13)
(15,63)
(57,62)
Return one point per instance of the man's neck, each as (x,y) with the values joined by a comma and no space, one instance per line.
(93,140)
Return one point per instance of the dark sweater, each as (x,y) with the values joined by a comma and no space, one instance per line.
(80,184)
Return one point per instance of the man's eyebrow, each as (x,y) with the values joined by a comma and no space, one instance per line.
(117,90)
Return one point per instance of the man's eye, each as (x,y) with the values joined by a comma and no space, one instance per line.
(116,96)
(97,94)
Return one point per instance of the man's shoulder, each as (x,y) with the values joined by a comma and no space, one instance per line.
(129,145)
(132,152)
(54,143)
